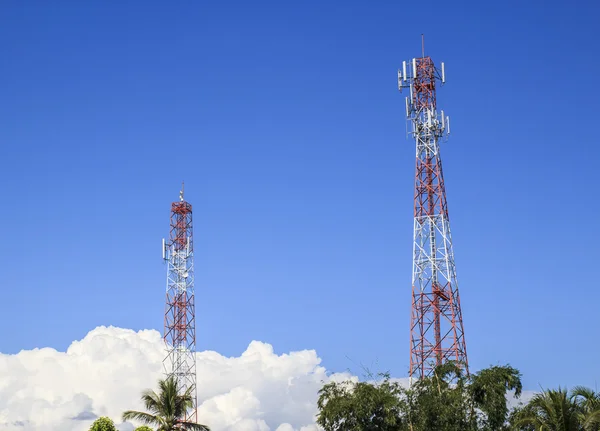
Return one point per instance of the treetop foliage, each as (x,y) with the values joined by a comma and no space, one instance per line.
(446,401)
(103,423)
(452,401)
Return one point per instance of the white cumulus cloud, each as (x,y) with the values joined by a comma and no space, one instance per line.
(104,373)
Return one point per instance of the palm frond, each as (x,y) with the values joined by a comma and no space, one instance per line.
(592,420)
(584,392)
(151,401)
(144,417)
(191,426)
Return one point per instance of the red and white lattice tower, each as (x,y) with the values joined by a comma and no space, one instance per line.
(180,313)
(436,328)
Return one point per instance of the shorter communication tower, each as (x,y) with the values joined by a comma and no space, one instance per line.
(180,313)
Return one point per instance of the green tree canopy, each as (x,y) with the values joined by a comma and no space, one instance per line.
(360,406)
(103,424)
(446,401)
(143,428)
(440,402)
(488,390)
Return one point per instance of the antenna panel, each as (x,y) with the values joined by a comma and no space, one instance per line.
(443,74)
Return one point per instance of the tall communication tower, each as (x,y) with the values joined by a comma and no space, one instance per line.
(436,328)
(180,313)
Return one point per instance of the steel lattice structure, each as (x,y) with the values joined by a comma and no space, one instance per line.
(180,320)
(436,328)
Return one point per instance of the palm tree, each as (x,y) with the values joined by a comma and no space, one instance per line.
(167,408)
(588,402)
(550,410)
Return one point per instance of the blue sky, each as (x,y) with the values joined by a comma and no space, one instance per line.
(284,120)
